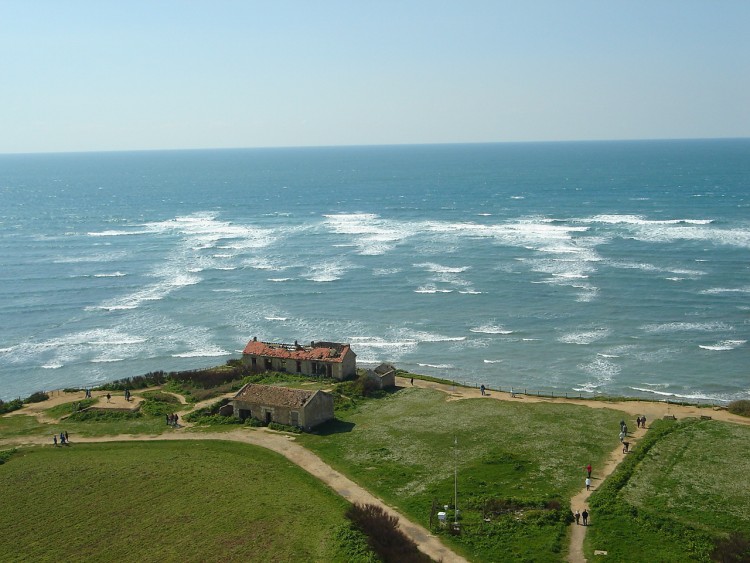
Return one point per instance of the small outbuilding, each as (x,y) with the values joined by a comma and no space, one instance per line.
(283,405)
(384,376)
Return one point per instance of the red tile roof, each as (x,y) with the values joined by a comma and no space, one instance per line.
(274,396)
(319,351)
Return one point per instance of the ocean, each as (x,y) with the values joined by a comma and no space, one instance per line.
(618,268)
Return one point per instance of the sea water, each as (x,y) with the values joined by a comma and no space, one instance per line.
(588,268)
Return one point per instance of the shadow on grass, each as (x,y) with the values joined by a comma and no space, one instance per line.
(334,426)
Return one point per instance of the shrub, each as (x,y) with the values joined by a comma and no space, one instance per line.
(10,406)
(284,428)
(37,397)
(5,455)
(210,410)
(384,535)
(741,407)
(733,549)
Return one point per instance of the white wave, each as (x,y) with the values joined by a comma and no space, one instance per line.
(665,231)
(154,292)
(436,366)
(639,220)
(375,342)
(491,329)
(112,275)
(52,366)
(372,235)
(117,233)
(276,318)
(204,230)
(724,345)
(687,327)
(117,340)
(107,360)
(470,292)
(430,337)
(721,290)
(585,337)
(439,269)
(326,272)
(279,279)
(607,355)
(431,289)
(492,361)
(690,396)
(203,353)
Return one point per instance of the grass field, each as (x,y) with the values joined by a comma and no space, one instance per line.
(402,448)
(688,485)
(164,501)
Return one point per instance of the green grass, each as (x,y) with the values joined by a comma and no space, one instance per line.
(683,488)
(165,501)
(21,425)
(402,448)
(65,409)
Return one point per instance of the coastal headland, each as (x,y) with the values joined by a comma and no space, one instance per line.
(312,453)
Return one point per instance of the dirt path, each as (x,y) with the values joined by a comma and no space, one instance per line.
(304,458)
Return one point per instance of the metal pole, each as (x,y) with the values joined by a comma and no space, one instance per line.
(455,480)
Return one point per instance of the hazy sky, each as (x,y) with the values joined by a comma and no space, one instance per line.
(111,75)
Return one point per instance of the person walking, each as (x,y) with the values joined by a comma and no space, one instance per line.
(481,388)
(588,483)
(643,421)
(588,470)
(578,517)
(585,516)
(108,397)
(54,439)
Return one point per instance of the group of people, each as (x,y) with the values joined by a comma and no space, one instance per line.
(641,422)
(63,438)
(584,515)
(172,419)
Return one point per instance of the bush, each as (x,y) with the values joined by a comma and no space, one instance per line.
(741,407)
(5,455)
(37,397)
(10,406)
(734,549)
(284,428)
(211,410)
(383,534)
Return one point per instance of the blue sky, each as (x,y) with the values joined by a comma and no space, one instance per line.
(107,75)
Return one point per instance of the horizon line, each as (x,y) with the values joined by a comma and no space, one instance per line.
(365,145)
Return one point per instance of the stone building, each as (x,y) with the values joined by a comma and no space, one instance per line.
(384,376)
(327,359)
(293,407)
